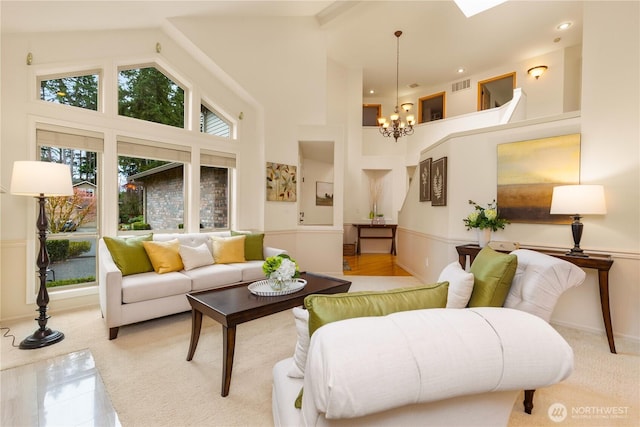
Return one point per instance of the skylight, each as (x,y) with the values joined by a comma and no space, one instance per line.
(473,7)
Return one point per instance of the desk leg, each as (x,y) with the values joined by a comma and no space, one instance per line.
(462,259)
(196,325)
(358,243)
(228,348)
(393,241)
(603,281)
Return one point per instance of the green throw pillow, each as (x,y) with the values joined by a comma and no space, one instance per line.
(492,276)
(298,402)
(325,309)
(252,245)
(128,253)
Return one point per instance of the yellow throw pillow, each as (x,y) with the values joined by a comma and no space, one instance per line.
(164,256)
(228,249)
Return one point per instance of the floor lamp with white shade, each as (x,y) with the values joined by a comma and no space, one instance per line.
(41,180)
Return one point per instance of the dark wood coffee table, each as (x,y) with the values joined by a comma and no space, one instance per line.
(231,306)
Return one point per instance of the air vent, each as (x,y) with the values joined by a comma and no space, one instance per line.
(414,85)
(464,84)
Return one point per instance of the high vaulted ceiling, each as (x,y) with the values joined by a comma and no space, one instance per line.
(437,38)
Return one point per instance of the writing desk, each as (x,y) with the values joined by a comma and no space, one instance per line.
(369,226)
(601,262)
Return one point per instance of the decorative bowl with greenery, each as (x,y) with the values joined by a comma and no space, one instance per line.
(280,269)
(483,218)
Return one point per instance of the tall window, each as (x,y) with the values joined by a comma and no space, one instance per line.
(151,182)
(147,94)
(77,91)
(73,220)
(213,124)
(215,184)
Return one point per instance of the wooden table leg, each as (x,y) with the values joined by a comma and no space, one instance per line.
(528,401)
(393,241)
(603,281)
(229,345)
(196,326)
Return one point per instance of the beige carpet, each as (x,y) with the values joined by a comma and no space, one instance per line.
(151,383)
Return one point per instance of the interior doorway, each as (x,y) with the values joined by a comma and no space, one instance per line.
(496,91)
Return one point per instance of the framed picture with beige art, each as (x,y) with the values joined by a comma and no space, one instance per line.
(425,180)
(281,182)
(439,182)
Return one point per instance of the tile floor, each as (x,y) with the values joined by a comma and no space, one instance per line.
(63,391)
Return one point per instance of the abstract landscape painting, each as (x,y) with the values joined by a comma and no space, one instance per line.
(527,173)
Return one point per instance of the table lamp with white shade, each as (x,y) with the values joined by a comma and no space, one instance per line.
(578,200)
(41,180)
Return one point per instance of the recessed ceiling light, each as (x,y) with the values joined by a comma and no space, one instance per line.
(460,70)
(372,91)
(564,26)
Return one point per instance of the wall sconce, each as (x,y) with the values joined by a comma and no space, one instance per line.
(537,71)
(571,199)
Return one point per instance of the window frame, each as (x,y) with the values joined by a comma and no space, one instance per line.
(421,101)
(70,73)
(223,117)
(378,107)
(32,244)
(169,74)
(156,150)
(106,123)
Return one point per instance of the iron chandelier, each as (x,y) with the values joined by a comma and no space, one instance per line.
(396,126)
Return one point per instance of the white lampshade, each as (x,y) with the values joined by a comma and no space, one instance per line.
(32,178)
(578,199)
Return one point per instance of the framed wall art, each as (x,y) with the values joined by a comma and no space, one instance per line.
(527,173)
(439,182)
(425,180)
(281,182)
(324,193)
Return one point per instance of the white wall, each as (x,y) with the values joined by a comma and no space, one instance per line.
(282,63)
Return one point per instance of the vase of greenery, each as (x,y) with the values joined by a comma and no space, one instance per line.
(485,220)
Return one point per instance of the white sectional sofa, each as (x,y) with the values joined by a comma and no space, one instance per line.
(441,367)
(134,298)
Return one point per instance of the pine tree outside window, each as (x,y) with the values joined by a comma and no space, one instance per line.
(77,91)
(148,94)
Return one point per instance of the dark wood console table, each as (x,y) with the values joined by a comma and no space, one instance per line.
(600,262)
(391,227)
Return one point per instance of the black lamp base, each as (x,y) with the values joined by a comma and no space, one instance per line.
(576,231)
(41,338)
(575,253)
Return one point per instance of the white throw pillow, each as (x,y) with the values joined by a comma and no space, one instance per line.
(194,257)
(302,345)
(460,285)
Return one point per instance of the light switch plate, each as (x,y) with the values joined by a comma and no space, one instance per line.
(504,246)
